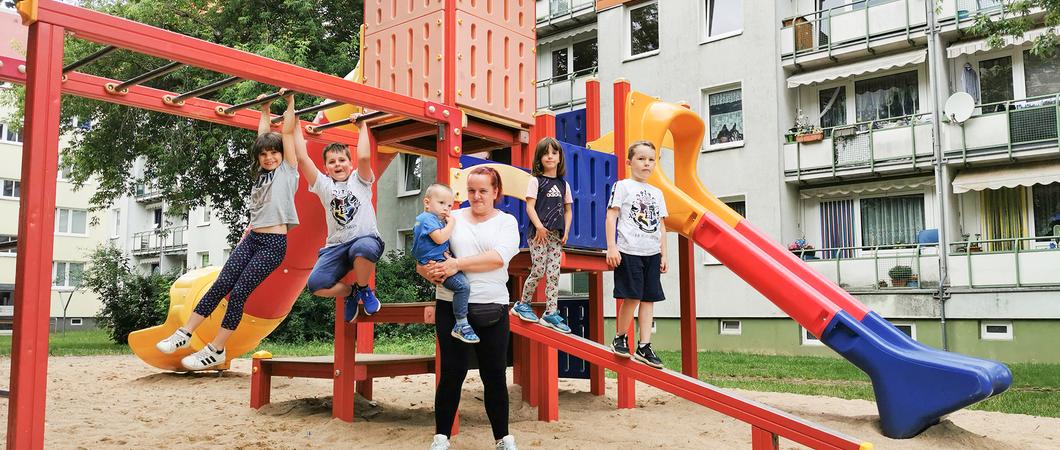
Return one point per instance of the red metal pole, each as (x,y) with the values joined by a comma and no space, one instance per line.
(596,329)
(762,439)
(689,343)
(592,109)
(622,90)
(345,366)
(449,49)
(548,406)
(36,231)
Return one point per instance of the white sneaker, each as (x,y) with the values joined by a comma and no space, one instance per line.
(178,340)
(507,443)
(441,442)
(203,359)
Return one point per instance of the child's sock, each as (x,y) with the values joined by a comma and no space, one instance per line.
(184,332)
(461,321)
(215,349)
(623,335)
(643,344)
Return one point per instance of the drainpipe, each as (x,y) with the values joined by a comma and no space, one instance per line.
(942,294)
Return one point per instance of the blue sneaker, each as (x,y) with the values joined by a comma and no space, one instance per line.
(555,322)
(350,308)
(371,304)
(465,333)
(524,312)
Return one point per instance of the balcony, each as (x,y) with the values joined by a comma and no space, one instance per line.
(553,15)
(866,149)
(1003,263)
(855,29)
(147,192)
(1005,130)
(565,91)
(165,241)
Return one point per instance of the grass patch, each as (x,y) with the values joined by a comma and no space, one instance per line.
(75,343)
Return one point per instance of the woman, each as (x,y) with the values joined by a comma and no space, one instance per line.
(483,240)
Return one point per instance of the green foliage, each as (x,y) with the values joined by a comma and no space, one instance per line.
(900,272)
(396,281)
(130,301)
(1019,16)
(194,163)
(312,319)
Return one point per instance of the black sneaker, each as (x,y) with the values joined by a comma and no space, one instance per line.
(620,346)
(647,356)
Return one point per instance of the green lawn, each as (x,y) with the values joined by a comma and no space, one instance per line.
(1035,391)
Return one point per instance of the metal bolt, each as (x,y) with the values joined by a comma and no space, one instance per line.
(22,68)
(439,57)
(431,109)
(337,373)
(456,131)
(445,113)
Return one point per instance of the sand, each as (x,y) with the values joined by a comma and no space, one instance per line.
(117,401)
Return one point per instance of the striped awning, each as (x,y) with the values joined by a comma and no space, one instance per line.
(873,187)
(583,31)
(981,45)
(858,68)
(1006,176)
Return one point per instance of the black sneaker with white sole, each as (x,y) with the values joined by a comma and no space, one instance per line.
(620,346)
(645,355)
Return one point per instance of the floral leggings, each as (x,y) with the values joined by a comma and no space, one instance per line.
(544,262)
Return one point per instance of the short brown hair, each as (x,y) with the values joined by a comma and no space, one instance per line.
(335,147)
(633,146)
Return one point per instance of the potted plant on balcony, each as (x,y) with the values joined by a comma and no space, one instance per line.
(802,249)
(900,275)
(806,131)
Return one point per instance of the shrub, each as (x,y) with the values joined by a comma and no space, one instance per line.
(131,301)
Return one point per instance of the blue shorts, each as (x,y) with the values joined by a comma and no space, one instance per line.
(336,261)
(639,278)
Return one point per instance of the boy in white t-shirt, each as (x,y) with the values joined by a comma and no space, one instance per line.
(636,249)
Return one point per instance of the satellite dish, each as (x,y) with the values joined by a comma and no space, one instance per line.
(959,107)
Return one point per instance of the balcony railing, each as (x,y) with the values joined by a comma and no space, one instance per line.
(855,23)
(1017,262)
(564,91)
(895,143)
(146,192)
(559,10)
(1005,128)
(164,241)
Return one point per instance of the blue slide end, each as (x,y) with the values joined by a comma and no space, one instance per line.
(915,385)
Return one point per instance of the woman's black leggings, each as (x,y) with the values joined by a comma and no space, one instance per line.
(256,256)
(492,354)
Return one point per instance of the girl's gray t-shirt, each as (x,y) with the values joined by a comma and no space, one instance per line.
(272,198)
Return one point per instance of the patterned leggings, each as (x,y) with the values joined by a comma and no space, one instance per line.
(544,262)
(256,256)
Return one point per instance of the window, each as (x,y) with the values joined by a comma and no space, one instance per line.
(1042,74)
(833,106)
(11,189)
(204,259)
(1046,200)
(584,56)
(995,79)
(557,7)
(11,134)
(891,220)
(807,338)
(739,206)
(67,274)
(410,182)
(225,254)
(559,63)
(730,327)
(7,246)
(71,221)
(725,117)
(886,97)
(205,215)
(724,17)
(995,331)
(406,240)
(908,328)
(7,297)
(1003,216)
(116,219)
(156,217)
(643,29)
(64,173)
(76,321)
(837,228)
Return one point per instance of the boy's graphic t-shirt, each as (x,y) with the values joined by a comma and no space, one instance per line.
(347,207)
(641,212)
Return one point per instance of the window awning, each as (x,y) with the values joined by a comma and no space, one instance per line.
(580,32)
(981,45)
(858,68)
(1006,177)
(871,188)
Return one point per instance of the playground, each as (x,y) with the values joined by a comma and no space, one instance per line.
(383,400)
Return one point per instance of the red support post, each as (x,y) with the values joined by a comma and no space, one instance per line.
(36,232)
(622,90)
(763,439)
(344,386)
(449,48)
(548,372)
(260,384)
(627,393)
(689,342)
(592,109)
(596,329)
(534,380)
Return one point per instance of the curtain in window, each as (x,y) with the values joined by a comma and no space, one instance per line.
(1042,74)
(886,97)
(837,228)
(1047,209)
(725,110)
(1004,216)
(833,106)
(891,220)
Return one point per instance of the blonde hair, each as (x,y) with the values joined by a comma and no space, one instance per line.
(435,188)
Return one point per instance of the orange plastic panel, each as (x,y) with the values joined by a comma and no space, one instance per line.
(380,14)
(519,16)
(495,69)
(407,57)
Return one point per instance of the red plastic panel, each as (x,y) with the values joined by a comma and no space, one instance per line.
(495,69)
(519,16)
(380,14)
(407,58)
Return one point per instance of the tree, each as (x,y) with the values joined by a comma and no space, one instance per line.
(130,301)
(195,163)
(1018,17)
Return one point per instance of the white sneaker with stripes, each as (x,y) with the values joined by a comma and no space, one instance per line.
(178,340)
(204,359)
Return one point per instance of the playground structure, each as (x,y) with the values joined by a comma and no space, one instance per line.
(444,117)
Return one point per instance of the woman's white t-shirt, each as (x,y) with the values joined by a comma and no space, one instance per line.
(499,233)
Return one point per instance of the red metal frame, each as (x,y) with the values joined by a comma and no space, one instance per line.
(689,343)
